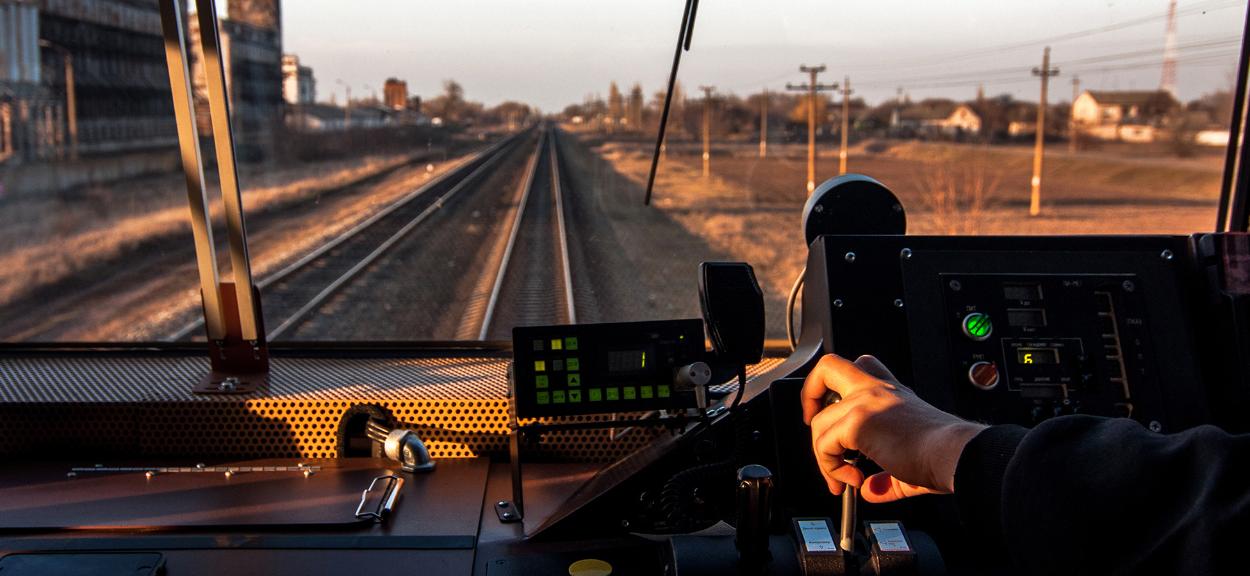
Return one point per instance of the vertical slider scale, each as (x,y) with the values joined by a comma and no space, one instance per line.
(237,350)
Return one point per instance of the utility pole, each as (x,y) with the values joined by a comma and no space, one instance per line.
(1076,93)
(764,125)
(707,129)
(811,88)
(1045,72)
(846,124)
(347,108)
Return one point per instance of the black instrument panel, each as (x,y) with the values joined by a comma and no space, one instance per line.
(1018,329)
(603,368)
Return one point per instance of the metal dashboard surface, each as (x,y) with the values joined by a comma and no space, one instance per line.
(140,402)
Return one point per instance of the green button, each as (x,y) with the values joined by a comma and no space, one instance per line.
(978,326)
(540,365)
(575,395)
(630,393)
(575,380)
(570,343)
(614,393)
(557,365)
(573,365)
(558,396)
(596,394)
(647,392)
(540,381)
(663,391)
(544,398)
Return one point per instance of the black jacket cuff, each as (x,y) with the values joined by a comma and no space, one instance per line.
(979,479)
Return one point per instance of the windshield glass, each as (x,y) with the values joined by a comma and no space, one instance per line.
(421,171)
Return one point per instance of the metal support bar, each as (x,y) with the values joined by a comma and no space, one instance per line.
(237,351)
(192,166)
(227,171)
(1232,186)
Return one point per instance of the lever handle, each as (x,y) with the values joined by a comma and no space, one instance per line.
(754,496)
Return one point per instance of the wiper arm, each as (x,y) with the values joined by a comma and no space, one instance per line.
(683,43)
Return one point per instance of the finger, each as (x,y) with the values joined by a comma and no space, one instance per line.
(882,487)
(849,475)
(873,367)
(828,448)
(831,373)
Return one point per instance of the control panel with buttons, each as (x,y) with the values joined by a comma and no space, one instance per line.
(603,368)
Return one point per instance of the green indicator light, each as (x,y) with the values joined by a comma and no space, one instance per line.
(630,393)
(572,364)
(644,360)
(575,395)
(978,326)
(544,398)
(575,380)
(614,393)
(541,381)
(663,391)
(558,396)
(647,392)
(570,343)
(596,394)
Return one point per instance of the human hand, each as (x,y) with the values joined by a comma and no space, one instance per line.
(916,444)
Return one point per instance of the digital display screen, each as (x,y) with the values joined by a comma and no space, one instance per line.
(1037,355)
(1026,317)
(1022,291)
(627,360)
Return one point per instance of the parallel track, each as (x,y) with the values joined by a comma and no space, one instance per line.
(291,294)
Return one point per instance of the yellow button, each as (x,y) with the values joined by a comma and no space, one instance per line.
(590,567)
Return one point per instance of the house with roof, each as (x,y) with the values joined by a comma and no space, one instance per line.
(940,117)
(1124,115)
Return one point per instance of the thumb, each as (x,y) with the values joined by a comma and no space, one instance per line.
(882,487)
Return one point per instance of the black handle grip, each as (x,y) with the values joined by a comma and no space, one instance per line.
(754,495)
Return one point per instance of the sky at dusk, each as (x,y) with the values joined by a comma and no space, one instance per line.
(552,53)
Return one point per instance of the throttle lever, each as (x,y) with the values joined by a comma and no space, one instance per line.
(850,496)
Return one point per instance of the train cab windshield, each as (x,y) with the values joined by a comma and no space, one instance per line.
(256,255)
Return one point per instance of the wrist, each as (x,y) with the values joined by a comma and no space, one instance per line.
(945,445)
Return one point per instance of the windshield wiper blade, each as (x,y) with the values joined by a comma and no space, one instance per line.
(683,43)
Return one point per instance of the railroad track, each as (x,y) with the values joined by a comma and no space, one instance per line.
(293,293)
(533,283)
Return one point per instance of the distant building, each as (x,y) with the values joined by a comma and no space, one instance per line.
(1131,116)
(395,94)
(328,117)
(298,84)
(940,118)
(121,81)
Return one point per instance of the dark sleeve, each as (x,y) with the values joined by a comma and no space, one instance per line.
(1080,494)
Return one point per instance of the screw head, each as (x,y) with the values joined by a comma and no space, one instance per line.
(849,257)
(1155,426)
(956,285)
(837,302)
(898,303)
(502,503)
(308,472)
(1128,286)
(905,253)
(71,475)
(149,474)
(1166,255)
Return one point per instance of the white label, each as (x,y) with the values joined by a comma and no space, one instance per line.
(816,536)
(889,537)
